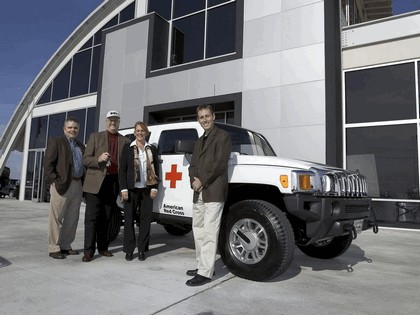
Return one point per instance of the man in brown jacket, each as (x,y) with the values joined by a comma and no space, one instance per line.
(64,171)
(101,158)
(208,173)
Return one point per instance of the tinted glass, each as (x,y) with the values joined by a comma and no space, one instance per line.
(46,97)
(81,117)
(61,84)
(167,139)
(55,125)
(80,73)
(188,38)
(378,94)
(38,132)
(97,39)
(221,26)
(90,123)
(184,7)
(161,7)
(211,3)
(95,69)
(87,44)
(387,156)
(128,13)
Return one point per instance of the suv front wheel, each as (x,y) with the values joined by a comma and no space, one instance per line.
(256,240)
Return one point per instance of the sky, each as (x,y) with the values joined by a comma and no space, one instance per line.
(31,31)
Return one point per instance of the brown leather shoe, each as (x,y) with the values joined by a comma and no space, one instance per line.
(106,253)
(87,257)
(70,252)
(57,255)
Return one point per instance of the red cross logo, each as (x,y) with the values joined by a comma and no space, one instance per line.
(173,176)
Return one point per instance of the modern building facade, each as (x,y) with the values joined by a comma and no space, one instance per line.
(268,65)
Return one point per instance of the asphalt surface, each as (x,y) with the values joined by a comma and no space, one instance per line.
(379,274)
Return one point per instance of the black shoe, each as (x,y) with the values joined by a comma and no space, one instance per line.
(142,256)
(197,280)
(70,252)
(57,255)
(87,257)
(129,257)
(192,272)
(106,253)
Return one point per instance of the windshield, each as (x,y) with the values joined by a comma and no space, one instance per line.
(247,142)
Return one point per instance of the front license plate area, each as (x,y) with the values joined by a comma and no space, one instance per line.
(358,225)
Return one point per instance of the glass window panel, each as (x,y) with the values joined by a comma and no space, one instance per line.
(80,73)
(98,36)
(161,7)
(38,132)
(95,69)
(379,94)
(168,138)
(46,97)
(87,44)
(387,156)
(221,27)
(211,3)
(29,175)
(188,39)
(90,123)
(81,117)
(61,84)
(55,125)
(128,13)
(184,7)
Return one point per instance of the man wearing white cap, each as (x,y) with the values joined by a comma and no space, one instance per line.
(101,184)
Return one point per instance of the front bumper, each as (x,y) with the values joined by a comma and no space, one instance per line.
(324,217)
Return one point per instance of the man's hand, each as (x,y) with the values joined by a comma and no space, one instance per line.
(196,185)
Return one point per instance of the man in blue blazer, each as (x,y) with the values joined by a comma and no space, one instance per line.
(64,172)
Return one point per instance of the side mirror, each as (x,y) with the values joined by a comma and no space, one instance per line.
(184,146)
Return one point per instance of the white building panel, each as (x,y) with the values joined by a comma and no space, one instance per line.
(261,108)
(302,26)
(303,64)
(262,71)
(254,9)
(293,4)
(262,36)
(303,104)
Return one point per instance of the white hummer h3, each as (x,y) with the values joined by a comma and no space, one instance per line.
(274,204)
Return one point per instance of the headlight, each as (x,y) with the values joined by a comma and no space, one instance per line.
(303,181)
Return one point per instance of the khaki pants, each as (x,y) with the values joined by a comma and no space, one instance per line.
(206,224)
(64,216)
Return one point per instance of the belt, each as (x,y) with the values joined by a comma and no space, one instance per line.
(77,178)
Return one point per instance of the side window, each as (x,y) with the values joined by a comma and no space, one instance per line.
(169,137)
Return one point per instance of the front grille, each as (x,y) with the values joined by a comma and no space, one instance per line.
(344,184)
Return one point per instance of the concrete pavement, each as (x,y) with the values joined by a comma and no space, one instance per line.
(379,274)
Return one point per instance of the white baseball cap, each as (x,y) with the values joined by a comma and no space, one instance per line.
(113,113)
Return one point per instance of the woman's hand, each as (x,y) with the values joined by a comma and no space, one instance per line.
(153,193)
(124,195)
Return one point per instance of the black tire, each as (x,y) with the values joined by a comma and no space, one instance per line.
(176,230)
(328,249)
(115,224)
(256,240)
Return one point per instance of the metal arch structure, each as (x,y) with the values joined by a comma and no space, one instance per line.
(13,137)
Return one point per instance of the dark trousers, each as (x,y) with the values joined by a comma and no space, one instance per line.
(137,199)
(97,215)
